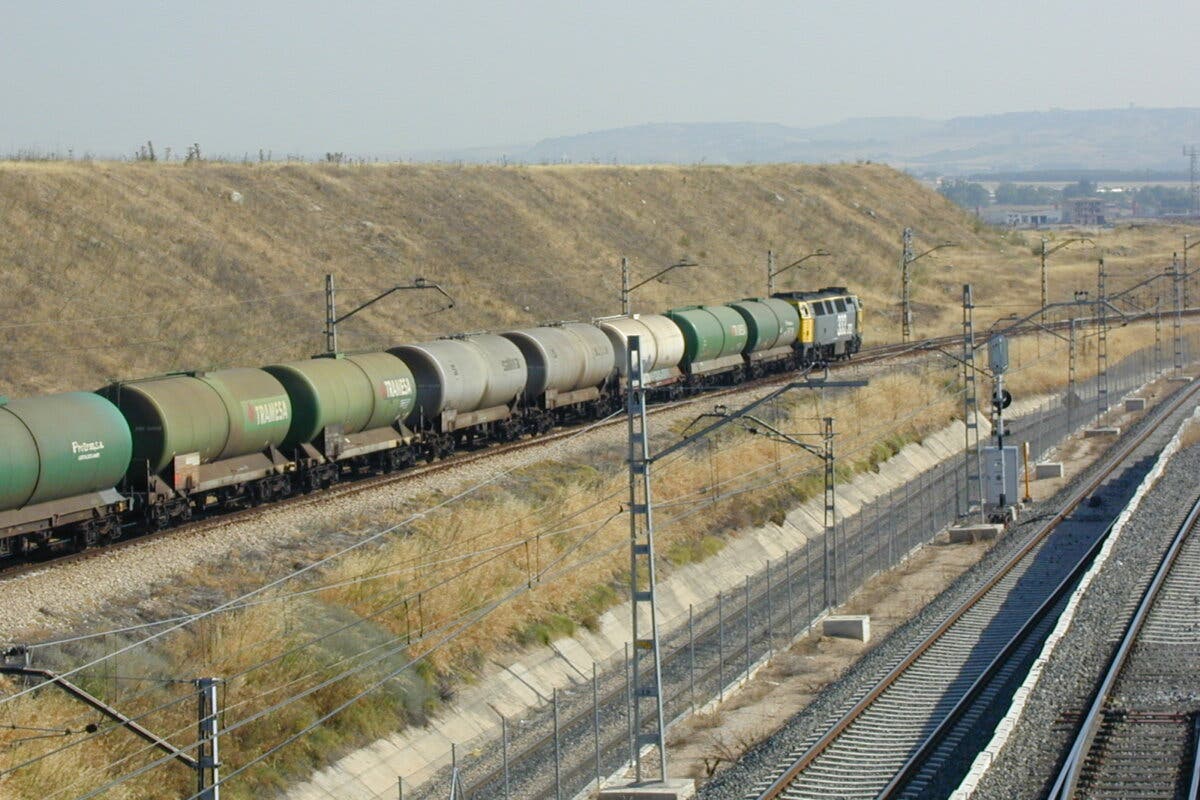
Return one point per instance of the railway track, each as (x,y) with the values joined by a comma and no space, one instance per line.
(21,566)
(11,568)
(929,703)
(1139,737)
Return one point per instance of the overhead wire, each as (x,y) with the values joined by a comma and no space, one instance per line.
(307,568)
(457,628)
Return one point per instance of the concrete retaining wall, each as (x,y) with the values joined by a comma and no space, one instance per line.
(512,688)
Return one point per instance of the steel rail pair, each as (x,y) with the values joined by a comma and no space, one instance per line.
(912,663)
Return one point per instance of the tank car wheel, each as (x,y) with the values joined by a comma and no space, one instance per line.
(260,493)
(110,531)
(87,536)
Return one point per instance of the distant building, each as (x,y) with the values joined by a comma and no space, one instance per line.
(1084,211)
(1013,216)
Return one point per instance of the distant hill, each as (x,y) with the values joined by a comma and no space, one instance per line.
(1110,139)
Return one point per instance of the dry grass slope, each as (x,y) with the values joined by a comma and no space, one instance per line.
(118,270)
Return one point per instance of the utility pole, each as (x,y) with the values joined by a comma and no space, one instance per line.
(1050,252)
(906,260)
(332,320)
(645,662)
(208,758)
(1186,276)
(330,317)
(1045,285)
(1185,270)
(1194,188)
(971,453)
(641,570)
(1157,334)
(772,272)
(626,289)
(1072,398)
(1178,281)
(625,286)
(1101,341)
(830,514)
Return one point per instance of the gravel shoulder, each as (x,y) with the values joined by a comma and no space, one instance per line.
(1026,765)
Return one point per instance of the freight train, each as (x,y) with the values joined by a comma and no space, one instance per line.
(85,468)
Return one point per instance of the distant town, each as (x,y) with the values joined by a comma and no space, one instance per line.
(1087,202)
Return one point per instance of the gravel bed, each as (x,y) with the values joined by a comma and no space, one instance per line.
(1026,766)
(832,704)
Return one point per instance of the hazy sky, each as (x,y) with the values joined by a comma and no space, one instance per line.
(386,78)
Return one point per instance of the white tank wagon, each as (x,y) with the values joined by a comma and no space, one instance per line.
(569,364)
(466,385)
(662,346)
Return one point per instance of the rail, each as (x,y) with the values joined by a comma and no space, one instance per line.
(1067,782)
(777,788)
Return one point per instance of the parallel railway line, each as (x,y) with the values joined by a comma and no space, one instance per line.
(1138,738)
(894,736)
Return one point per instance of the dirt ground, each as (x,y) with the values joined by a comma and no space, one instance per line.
(711,741)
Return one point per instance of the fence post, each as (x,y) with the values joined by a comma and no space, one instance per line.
(770,615)
(629,709)
(692,657)
(504,751)
(791,590)
(808,580)
(747,627)
(720,646)
(208,757)
(557,753)
(596,720)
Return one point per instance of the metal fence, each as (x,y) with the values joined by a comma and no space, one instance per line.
(579,735)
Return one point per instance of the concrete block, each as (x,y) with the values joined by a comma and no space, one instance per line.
(1092,433)
(1050,469)
(670,789)
(1135,404)
(851,626)
(975,533)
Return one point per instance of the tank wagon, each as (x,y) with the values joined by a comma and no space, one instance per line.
(347,415)
(467,386)
(568,366)
(203,439)
(713,340)
(662,348)
(830,323)
(142,454)
(772,331)
(61,458)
